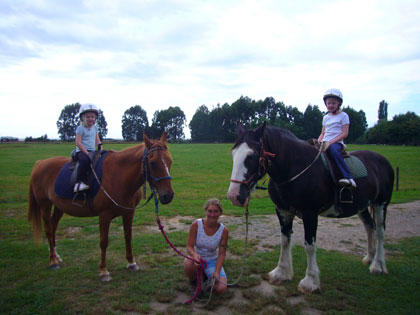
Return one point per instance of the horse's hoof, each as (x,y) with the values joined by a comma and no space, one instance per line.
(378,268)
(308,291)
(307,285)
(133,267)
(55,267)
(106,277)
(367,260)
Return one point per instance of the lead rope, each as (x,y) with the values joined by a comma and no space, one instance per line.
(202,262)
(209,283)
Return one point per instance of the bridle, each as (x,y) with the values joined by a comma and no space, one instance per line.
(148,175)
(262,165)
(262,169)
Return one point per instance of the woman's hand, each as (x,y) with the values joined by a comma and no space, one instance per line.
(197,258)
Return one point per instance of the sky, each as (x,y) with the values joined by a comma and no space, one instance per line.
(157,54)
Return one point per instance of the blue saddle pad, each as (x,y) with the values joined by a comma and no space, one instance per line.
(62,183)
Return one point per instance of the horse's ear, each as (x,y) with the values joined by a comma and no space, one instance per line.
(259,132)
(241,129)
(147,141)
(163,137)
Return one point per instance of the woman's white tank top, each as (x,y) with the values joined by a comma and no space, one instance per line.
(208,246)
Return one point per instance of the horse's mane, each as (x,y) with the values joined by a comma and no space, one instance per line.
(276,136)
(275,132)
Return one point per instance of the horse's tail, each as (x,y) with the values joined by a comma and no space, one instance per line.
(34,214)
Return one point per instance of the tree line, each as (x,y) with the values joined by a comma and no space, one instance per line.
(219,123)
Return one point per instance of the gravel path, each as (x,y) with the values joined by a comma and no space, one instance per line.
(345,235)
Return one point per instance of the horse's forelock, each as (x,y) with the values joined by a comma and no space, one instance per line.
(249,138)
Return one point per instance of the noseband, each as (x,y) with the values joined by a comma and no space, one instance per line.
(148,174)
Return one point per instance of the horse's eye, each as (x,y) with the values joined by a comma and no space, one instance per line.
(153,164)
(251,160)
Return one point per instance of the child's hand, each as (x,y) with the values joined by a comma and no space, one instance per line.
(325,145)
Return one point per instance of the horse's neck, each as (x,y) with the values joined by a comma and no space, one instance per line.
(291,153)
(128,166)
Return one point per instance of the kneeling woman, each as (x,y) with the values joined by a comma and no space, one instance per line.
(208,240)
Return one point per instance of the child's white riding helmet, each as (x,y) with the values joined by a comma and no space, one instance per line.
(333,93)
(84,108)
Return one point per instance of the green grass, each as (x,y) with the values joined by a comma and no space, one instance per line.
(200,171)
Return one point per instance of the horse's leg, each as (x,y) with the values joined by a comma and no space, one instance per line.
(370,228)
(54,223)
(311,281)
(378,263)
(284,269)
(104,223)
(50,233)
(128,222)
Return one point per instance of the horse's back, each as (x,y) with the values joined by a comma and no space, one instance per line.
(45,172)
(380,173)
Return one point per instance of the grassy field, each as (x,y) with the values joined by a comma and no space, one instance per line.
(200,171)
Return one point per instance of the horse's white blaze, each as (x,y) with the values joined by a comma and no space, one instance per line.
(166,167)
(311,281)
(239,170)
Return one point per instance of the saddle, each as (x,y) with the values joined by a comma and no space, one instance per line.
(66,180)
(344,195)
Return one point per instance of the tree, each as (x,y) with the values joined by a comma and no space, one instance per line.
(134,123)
(171,120)
(267,111)
(358,124)
(219,124)
(102,125)
(403,129)
(312,122)
(68,122)
(200,125)
(383,111)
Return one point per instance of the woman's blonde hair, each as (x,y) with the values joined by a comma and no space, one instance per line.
(214,201)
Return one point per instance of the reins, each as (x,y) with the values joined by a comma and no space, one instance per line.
(262,163)
(148,177)
(305,169)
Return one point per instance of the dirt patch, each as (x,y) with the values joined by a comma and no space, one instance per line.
(345,235)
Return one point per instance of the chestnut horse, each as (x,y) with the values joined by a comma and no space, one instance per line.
(301,186)
(124,173)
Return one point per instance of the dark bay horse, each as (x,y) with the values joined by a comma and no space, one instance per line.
(123,175)
(297,190)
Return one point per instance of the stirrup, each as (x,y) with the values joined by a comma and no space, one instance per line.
(345,195)
(74,202)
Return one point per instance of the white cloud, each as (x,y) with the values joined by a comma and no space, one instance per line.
(171,53)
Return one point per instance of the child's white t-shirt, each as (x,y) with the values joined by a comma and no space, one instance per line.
(334,125)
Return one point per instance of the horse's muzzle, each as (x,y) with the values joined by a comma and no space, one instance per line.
(237,196)
(166,197)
